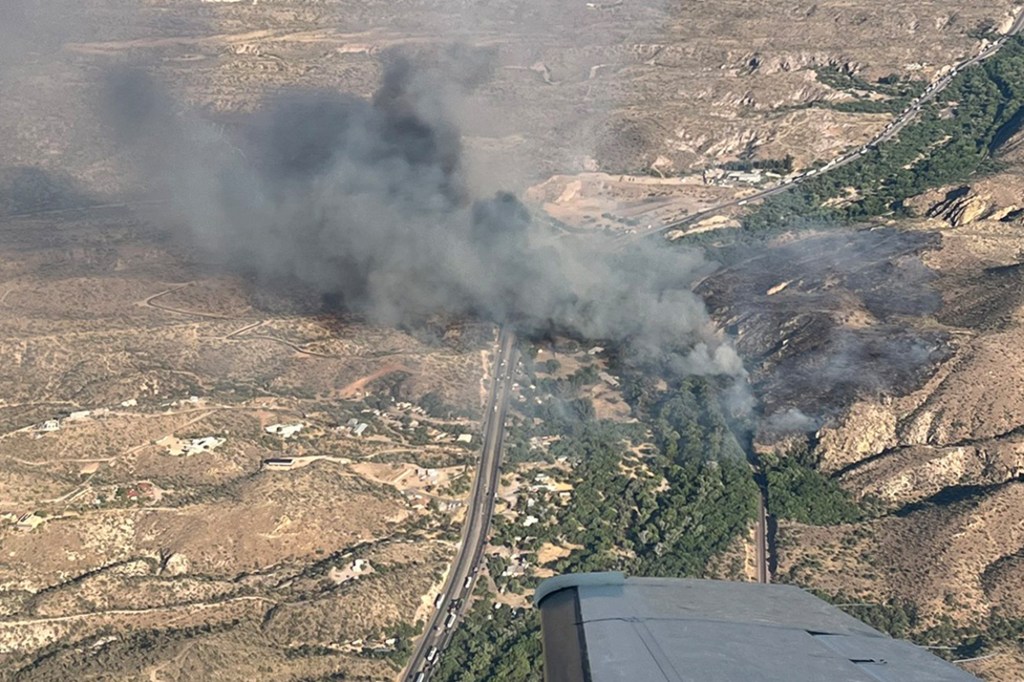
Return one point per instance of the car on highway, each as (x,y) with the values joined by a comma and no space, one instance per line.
(469,581)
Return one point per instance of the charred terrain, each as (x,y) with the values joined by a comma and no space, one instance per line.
(244,365)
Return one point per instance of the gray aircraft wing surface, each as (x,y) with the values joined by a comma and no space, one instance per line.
(605,627)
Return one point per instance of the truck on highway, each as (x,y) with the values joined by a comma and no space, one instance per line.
(439,601)
(420,676)
(432,655)
(741,202)
(450,620)
(469,581)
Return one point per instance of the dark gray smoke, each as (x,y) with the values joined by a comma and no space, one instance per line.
(367,201)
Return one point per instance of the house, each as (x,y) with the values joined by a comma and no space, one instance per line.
(9,516)
(30,521)
(205,444)
(130,403)
(49,425)
(284,430)
(282,463)
(425,474)
(352,422)
(742,176)
(79,414)
(465,438)
(530,520)
(513,571)
(359,429)
(595,350)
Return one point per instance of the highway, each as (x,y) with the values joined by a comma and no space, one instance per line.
(479,510)
(905,118)
(761,541)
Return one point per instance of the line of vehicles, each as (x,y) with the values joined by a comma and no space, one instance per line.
(445,616)
(448,624)
(449,621)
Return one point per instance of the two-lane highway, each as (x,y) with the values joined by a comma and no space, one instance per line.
(454,598)
(763,570)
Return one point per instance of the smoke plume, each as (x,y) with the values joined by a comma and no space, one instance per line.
(367,201)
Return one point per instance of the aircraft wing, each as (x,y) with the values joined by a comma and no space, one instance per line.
(604,627)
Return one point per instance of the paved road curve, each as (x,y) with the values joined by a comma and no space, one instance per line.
(467,562)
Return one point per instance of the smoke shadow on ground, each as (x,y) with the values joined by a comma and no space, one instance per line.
(25,190)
